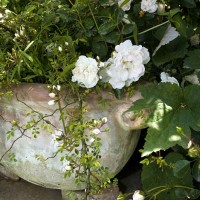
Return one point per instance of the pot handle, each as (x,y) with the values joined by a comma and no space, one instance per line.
(128,120)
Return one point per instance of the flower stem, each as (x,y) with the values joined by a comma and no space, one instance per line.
(62,114)
(154,27)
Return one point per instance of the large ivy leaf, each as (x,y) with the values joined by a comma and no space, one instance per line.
(173,112)
(175,49)
(193,61)
(161,182)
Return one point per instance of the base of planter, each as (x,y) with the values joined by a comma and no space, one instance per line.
(106,194)
(7,174)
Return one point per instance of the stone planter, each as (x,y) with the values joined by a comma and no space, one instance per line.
(117,145)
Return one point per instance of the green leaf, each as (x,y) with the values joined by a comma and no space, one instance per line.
(180,25)
(180,168)
(172,129)
(89,23)
(193,61)
(173,111)
(196,170)
(188,3)
(128,28)
(191,97)
(124,2)
(99,48)
(135,32)
(175,49)
(26,55)
(112,37)
(161,181)
(180,193)
(107,27)
(194,194)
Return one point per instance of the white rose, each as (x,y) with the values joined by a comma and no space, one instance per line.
(149,6)
(85,72)
(126,65)
(166,78)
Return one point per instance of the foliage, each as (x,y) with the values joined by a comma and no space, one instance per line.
(40,41)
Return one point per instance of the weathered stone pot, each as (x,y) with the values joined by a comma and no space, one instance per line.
(117,145)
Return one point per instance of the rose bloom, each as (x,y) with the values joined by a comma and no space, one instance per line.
(126,65)
(149,6)
(85,72)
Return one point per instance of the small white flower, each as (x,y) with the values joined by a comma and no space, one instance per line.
(86,72)
(51,102)
(66,43)
(149,6)
(52,95)
(92,140)
(68,167)
(166,78)
(96,131)
(138,196)
(104,119)
(58,132)
(57,87)
(60,48)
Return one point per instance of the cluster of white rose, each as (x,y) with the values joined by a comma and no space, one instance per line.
(124,67)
